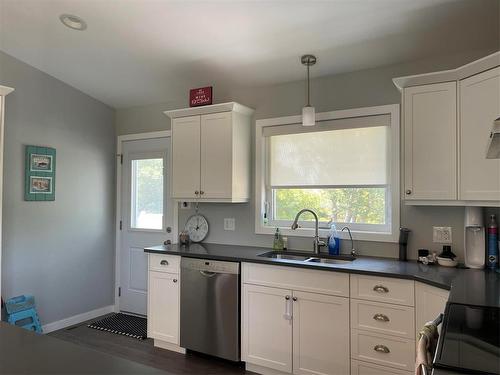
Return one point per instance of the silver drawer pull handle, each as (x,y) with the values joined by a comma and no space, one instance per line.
(164,262)
(381,349)
(381,289)
(381,317)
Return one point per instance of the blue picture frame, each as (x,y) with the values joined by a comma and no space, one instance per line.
(40,173)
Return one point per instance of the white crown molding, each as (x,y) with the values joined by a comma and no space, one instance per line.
(207,109)
(4,90)
(475,67)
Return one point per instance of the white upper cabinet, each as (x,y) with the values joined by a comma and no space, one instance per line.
(186,157)
(430,141)
(479,107)
(211,153)
(448,117)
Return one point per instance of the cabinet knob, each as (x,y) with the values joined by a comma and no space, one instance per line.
(381,317)
(174,280)
(408,192)
(381,289)
(287,297)
(196,192)
(294,298)
(381,349)
(164,262)
(202,192)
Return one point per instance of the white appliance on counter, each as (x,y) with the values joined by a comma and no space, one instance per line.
(475,251)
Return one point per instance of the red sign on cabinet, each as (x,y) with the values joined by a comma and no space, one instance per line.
(200,96)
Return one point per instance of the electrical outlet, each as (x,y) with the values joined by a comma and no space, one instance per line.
(229,223)
(441,234)
(185,205)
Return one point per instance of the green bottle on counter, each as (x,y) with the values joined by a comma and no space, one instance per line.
(278,240)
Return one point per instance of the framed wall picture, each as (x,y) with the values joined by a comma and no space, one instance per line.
(40,173)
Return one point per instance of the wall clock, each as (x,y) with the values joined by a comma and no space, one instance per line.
(197,227)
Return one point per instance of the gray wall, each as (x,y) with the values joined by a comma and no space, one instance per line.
(63,251)
(358,89)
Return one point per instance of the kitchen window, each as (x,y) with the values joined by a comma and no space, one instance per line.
(345,168)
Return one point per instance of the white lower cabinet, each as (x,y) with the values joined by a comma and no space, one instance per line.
(164,301)
(430,302)
(384,350)
(366,368)
(293,331)
(320,334)
(267,328)
(164,307)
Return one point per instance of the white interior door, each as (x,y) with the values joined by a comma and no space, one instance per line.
(146,214)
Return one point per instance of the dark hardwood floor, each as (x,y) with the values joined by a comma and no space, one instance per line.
(145,353)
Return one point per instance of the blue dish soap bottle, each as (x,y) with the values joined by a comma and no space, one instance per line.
(333,241)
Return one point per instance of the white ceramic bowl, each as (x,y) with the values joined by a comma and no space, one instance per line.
(447,262)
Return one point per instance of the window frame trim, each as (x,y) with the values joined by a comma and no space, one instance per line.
(261,171)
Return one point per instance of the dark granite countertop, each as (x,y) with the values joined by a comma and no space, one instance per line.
(25,352)
(472,287)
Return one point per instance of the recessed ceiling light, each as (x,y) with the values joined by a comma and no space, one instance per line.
(73,22)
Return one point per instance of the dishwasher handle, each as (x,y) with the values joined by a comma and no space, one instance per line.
(208,273)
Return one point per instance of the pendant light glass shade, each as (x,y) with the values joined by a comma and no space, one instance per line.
(308,112)
(308,116)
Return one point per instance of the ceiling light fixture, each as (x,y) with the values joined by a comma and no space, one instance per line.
(73,22)
(308,113)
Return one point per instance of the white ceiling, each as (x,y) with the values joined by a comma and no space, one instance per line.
(137,52)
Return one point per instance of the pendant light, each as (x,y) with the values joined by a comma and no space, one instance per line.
(308,113)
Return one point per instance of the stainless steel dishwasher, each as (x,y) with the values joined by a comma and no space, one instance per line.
(210,312)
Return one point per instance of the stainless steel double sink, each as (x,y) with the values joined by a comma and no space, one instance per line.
(308,257)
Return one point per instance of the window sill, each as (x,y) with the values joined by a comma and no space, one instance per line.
(323,233)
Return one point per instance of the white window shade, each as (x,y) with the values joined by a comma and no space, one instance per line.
(348,156)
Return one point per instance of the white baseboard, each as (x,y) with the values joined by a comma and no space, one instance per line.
(76,319)
(169,346)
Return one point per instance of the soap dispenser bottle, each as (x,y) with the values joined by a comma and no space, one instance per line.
(278,240)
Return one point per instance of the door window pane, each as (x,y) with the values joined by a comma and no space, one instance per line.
(147,194)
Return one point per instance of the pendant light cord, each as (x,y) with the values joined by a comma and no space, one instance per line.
(308,87)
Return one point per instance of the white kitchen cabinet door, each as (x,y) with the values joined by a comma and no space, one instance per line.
(429,303)
(216,156)
(185,157)
(163,307)
(267,327)
(479,107)
(430,141)
(320,334)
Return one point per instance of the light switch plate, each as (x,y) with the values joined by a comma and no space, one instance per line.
(441,234)
(229,223)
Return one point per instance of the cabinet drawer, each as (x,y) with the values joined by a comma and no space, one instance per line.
(301,279)
(383,350)
(383,289)
(164,263)
(365,368)
(383,318)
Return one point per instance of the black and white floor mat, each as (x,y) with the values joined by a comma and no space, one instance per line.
(123,324)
